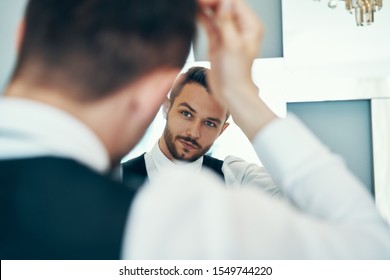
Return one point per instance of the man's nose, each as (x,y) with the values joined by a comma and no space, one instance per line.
(194,131)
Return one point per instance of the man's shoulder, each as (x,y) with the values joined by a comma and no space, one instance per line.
(134,172)
(134,167)
(233,160)
(239,165)
(59,177)
(62,179)
(211,159)
(134,162)
(72,202)
(48,169)
(214,164)
(29,164)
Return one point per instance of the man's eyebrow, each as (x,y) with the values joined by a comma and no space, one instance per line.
(215,120)
(185,104)
(188,106)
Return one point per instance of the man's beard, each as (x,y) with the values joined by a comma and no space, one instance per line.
(168,137)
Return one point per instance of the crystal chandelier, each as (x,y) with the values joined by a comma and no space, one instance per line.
(364,9)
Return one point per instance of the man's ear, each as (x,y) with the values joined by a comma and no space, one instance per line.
(225,125)
(165,107)
(20,34)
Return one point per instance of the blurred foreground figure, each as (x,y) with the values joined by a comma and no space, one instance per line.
(90,77)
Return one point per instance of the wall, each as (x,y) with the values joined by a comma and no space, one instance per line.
(270,12)
(345,126)
(10,16)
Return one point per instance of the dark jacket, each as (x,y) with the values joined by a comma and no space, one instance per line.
(55,208)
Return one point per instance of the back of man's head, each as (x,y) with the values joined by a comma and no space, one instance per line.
(93,47)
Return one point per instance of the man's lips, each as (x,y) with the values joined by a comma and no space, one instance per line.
(188,145)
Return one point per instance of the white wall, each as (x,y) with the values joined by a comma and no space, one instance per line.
(11,12)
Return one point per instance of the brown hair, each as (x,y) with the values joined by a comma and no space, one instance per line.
(97,46)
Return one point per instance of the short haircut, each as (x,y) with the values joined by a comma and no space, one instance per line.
(194,75)
(98,46)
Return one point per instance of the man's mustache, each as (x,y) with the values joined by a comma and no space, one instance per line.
(190,140)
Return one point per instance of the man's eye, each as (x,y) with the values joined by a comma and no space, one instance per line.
(210,124)
(186,114)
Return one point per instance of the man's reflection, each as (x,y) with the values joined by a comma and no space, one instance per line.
(194,120)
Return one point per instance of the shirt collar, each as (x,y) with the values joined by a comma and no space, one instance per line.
(29,129)
(161,161)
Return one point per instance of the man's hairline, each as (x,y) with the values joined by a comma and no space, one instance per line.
(208,92)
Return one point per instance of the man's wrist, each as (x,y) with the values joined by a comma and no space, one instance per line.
(249,112)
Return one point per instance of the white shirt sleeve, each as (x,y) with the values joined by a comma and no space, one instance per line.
(240,173)
(326,212)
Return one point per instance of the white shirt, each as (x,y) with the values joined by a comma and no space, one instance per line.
(30,129)
(326,213)
(194,216)
(237,172)
(156,162)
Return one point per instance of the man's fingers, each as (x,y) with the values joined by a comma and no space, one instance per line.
(209,3)
(221,14)
(211,30)
(248,22)
(226,22)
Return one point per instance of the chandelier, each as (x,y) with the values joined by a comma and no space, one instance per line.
(364,9)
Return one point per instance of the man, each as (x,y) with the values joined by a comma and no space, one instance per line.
(90,76)
(195,119)
(326,213)
(58,137)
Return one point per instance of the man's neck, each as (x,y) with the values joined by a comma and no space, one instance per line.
(164,148)
(51,97)
(83,112)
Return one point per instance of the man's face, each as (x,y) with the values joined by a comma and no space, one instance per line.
(194,122)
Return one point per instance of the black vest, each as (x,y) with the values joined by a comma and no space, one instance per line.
(134,171)
(54,208)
